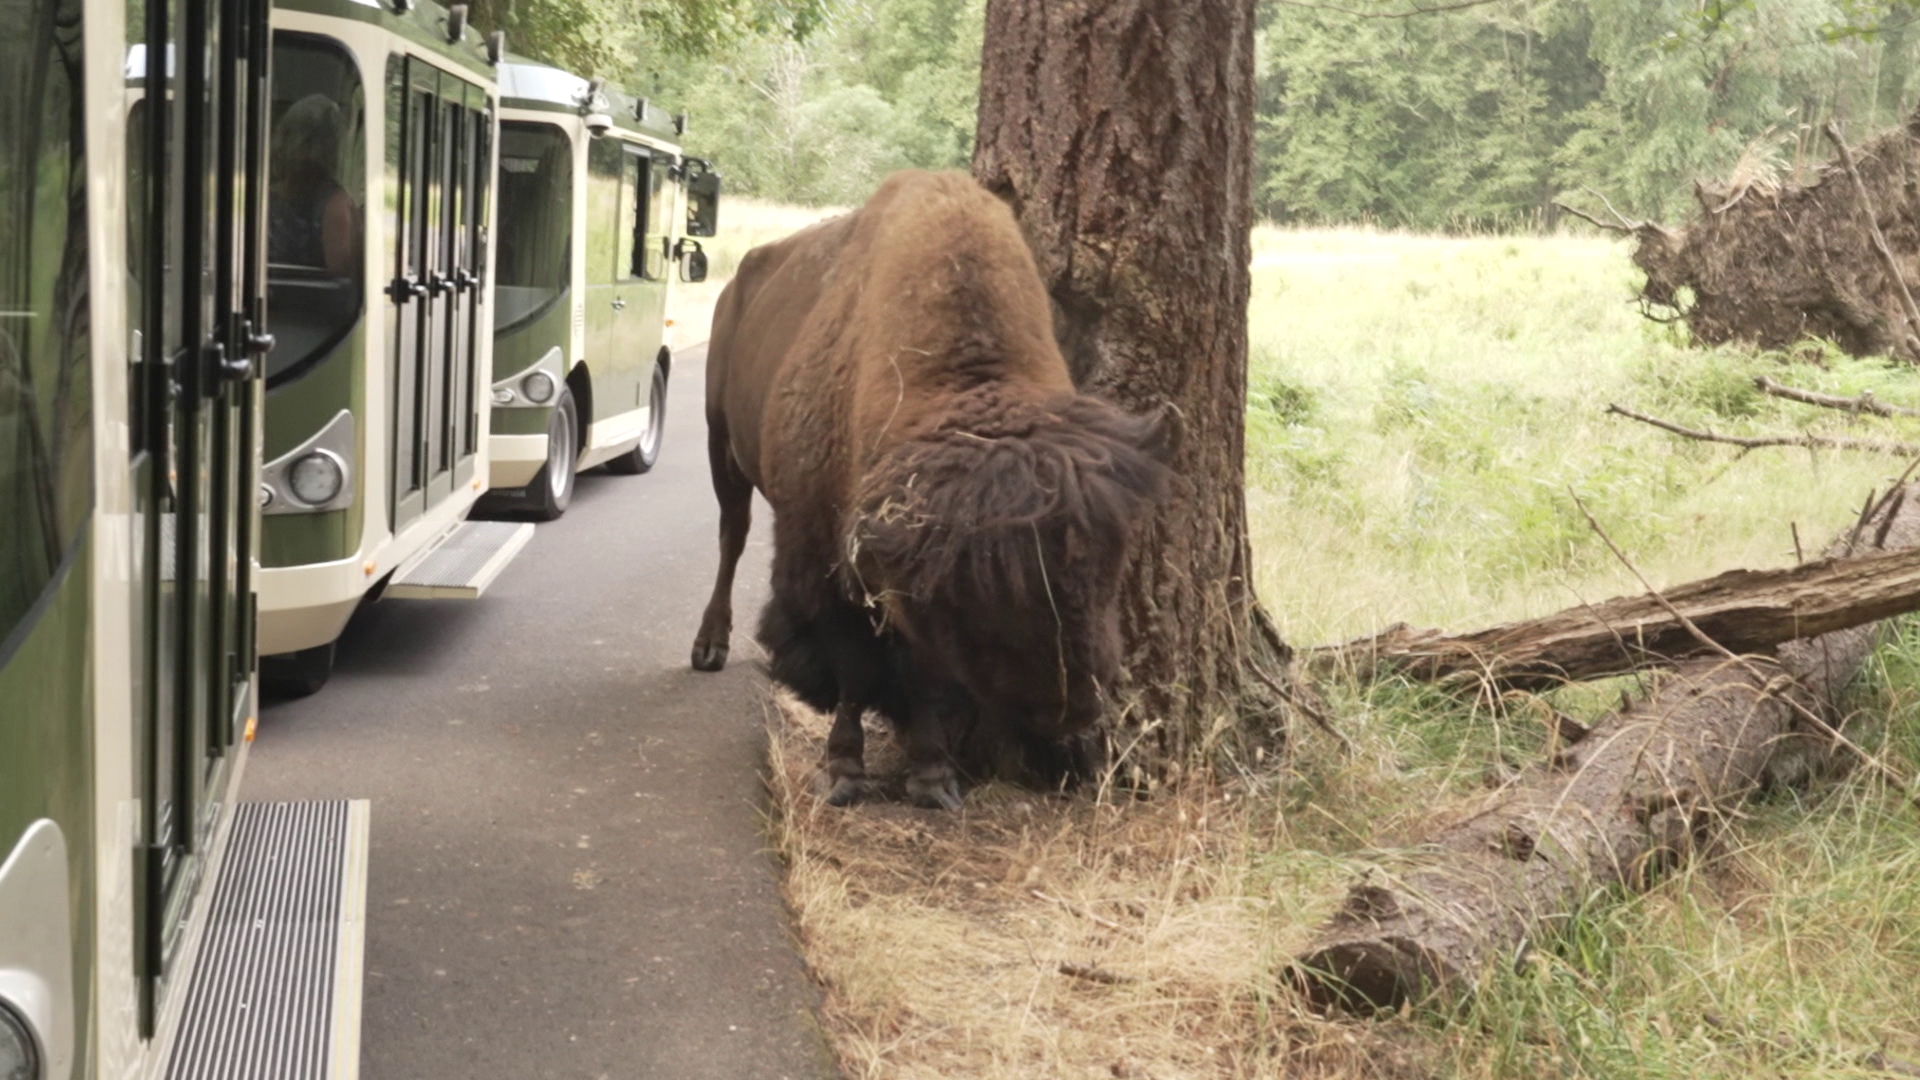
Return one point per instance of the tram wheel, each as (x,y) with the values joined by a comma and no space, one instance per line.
(551,490)
(647,451)
(297,674)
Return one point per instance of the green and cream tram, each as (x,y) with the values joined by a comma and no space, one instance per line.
(597,205)
(136,892)
(380,214)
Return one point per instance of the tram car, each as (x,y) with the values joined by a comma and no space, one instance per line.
(598,208)
(382,124)
(151,924)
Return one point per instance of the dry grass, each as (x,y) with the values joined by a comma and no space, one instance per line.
(1037,935)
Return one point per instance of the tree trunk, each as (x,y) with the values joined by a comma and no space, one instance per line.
(1121,133)
(1643,789)
(1742,610)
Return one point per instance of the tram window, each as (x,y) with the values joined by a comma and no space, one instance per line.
(316,195)
(659,199)
(536,222)
(647,179)
(46,481)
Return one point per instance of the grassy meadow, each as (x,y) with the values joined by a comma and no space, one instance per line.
(1421,412)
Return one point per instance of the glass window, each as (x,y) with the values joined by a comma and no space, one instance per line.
(635,181)
(46,482)
(535,232)
(659,201)
(647,177)
(316,199)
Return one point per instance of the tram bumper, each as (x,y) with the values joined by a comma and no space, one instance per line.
(305,606)
(514,460)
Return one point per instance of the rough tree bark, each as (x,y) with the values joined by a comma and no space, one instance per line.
(1121,133)
(1640,791)
(1742,610)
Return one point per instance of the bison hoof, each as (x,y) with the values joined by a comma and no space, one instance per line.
(838,790)
(935,792)
(708,656)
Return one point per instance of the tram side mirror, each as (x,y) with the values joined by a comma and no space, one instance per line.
(692,259)
(703,199)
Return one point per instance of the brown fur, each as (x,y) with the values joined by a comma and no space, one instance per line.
(951,517)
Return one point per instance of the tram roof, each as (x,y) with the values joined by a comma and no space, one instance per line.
(529,84)
(423,21)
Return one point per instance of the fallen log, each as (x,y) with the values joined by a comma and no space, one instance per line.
(1640,791)
(1746,611)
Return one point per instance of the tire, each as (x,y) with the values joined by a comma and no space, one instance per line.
(550,491)
(647,451)
(296,674)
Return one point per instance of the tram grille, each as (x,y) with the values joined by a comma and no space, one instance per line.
(273,985)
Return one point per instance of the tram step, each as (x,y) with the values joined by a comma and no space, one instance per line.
(462,564)
(275,993)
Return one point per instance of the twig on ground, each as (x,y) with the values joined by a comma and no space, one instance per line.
(1811,442)
(1074,909)
(1865,403)
(1096,974)
(1299,701)
(1912,310)
(1773,682)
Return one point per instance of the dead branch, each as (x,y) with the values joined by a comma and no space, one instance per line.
(1590,219)
(1748,611)
(1755,442)
(1865,403)
(1406,13)
(1873,227)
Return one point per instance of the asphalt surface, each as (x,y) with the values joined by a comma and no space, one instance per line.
(569,873)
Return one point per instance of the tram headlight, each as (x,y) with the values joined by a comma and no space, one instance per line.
(538,387)
(317,478)
(19,1057)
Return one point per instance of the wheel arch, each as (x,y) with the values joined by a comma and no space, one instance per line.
(580,381)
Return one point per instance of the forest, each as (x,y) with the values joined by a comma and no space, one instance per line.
(1475,116)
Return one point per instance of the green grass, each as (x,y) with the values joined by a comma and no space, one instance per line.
(1420,411)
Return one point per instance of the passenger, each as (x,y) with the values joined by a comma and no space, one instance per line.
(311,220)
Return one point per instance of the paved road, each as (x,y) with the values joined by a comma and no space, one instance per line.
(569,875)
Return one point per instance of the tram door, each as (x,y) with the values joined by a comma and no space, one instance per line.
(199,302)
(442,164)
(649,217)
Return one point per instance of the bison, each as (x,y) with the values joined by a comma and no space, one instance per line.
(951,517)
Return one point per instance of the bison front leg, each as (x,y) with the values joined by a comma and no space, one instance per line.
(843,776)
(735,494)
(931,724)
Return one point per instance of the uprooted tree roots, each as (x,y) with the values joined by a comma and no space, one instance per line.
(1771,263)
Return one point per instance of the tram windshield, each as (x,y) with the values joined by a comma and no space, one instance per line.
(535,232)
(316,195)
